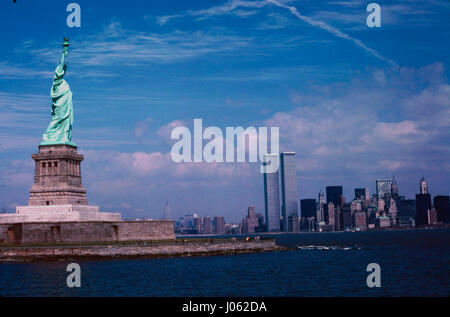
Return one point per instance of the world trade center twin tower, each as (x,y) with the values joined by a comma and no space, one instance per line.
(289,204)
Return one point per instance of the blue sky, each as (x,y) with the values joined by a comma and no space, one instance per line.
(355,103)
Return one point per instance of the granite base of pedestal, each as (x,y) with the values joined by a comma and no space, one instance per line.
(82,232)
(59,213)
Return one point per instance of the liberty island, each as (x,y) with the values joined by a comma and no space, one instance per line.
(59,217)
(58,209)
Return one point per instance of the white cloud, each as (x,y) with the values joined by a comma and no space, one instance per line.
(141,127)
(9,71)
(349,129)
(403,132)
(116,45)
(165,131)
(336,32)
(229,7)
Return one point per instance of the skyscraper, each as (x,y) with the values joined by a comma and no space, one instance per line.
(331,215)
(423,204)
(339,218)
(360,220)
(432,216)
(334,194)
(320,207)
(393,212)
(288,186)
(251,222)
(198,225)
(167,211)
(381,204)
(261,224)
(346,219)
(219,225)
(308,208)
(189,220)
(423,186)
(406,212)
(207,228)
(293,223)
(367,195)
(384,186)
(442,205)
(394,187)
(360,193)
(272,197)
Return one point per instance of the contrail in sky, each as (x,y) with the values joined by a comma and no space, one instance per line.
(334,31)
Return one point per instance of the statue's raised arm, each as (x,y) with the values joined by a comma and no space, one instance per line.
(65,45)
(63,56)
(60,70)
(59,130)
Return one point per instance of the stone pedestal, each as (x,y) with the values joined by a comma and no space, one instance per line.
(59,213)
(57,194)
(57,177)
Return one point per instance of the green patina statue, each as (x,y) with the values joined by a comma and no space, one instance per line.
(59,130)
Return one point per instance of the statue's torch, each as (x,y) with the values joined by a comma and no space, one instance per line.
(65,45)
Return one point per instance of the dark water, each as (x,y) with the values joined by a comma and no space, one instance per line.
(413,263)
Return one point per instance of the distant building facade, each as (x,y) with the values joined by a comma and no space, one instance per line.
(334,195)
(308,208)
(331,215)
(383,187)
(198,225)
(360,193)
(423,206)
(167,211)
(272,198)
(251,221)
(293,223)
(288,186)
(384,222)
(207,225)
(321,208)
(442,205)
(423,186)
(393,212)
(360,220)
(432,216)
(219,225)
(406,212)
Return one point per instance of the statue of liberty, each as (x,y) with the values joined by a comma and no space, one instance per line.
(59,130)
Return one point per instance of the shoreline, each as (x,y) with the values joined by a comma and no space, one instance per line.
(267,234)
(115,252)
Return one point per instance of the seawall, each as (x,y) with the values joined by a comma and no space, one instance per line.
(169,249)
(85,232)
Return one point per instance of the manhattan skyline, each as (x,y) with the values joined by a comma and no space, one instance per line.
(350,117)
